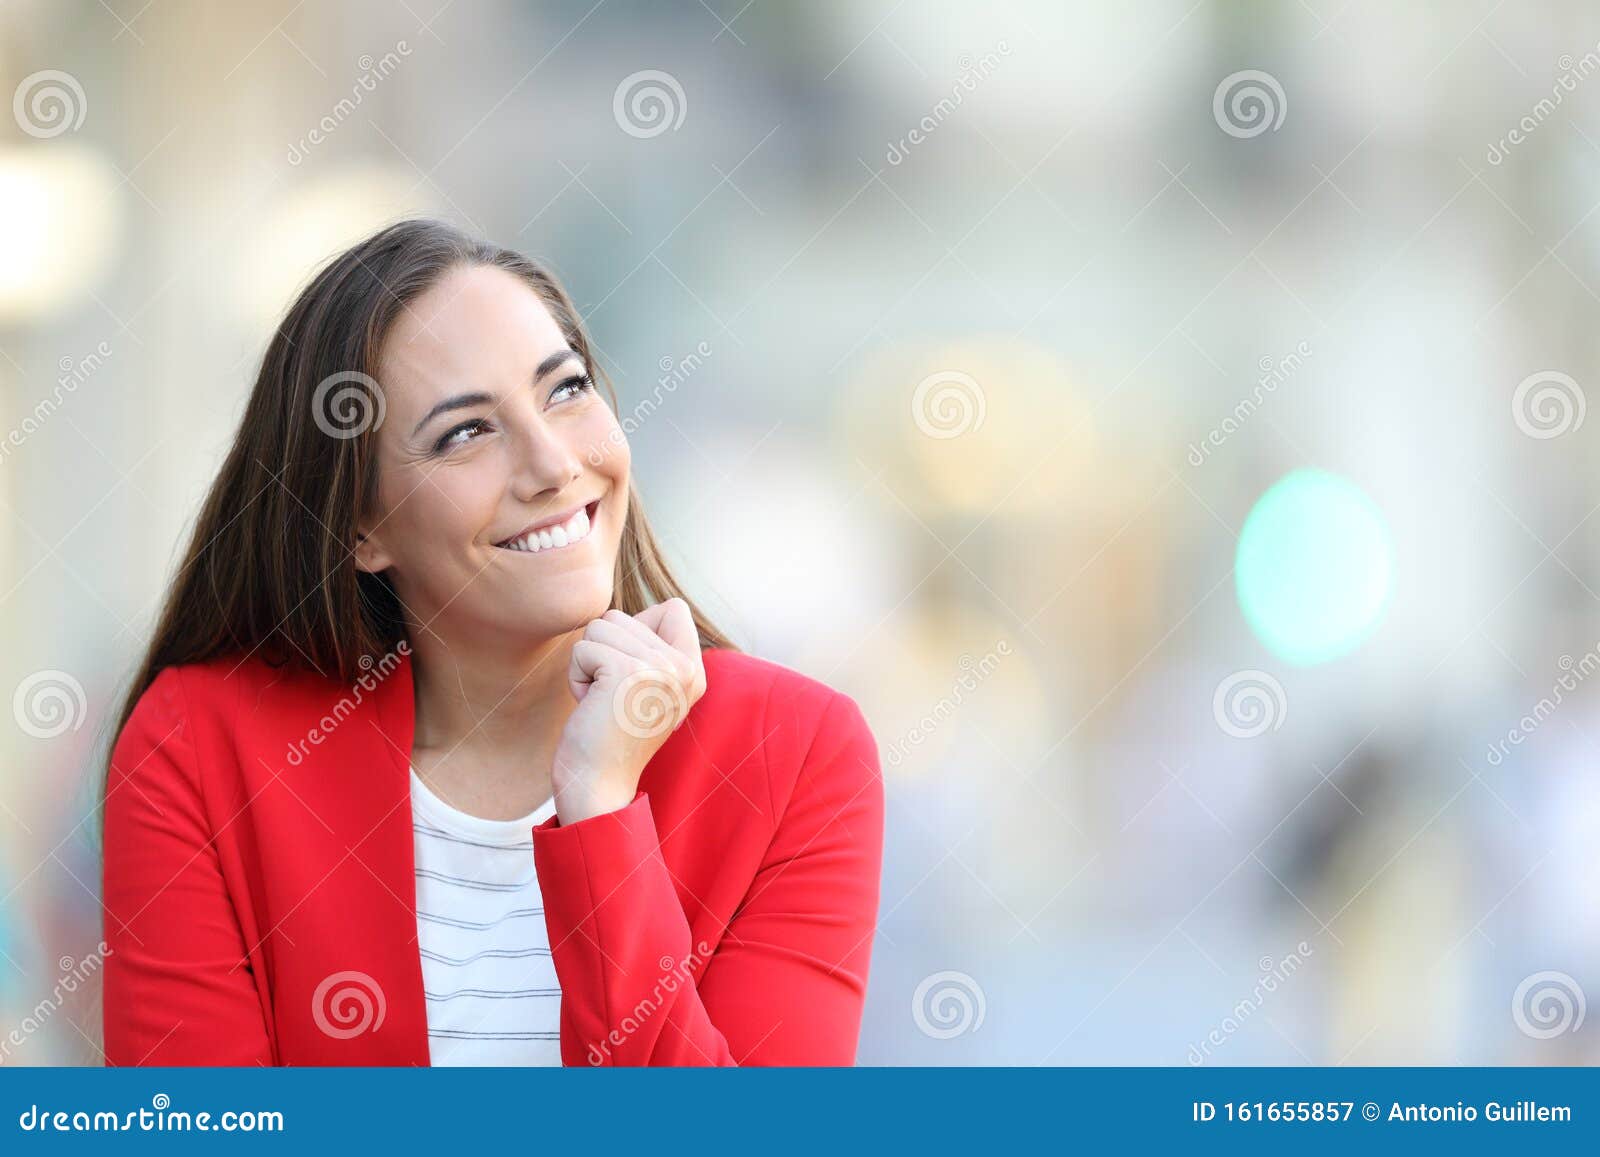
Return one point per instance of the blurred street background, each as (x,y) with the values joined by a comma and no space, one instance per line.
(1166,418)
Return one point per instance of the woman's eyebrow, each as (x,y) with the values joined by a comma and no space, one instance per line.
(478,397)
(553,361)
(455,402)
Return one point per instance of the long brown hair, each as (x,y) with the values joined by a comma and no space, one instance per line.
(270,569)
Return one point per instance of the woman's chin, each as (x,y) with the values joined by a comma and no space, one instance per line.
(571,610)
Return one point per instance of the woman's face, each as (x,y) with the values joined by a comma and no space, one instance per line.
(492,429)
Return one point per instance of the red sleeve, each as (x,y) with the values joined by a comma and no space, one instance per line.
(786,983)
(176,990)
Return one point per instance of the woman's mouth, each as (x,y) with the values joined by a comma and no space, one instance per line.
(554,533)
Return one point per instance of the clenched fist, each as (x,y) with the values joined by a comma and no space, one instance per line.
(635,678)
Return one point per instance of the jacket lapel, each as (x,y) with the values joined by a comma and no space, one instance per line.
(354,993)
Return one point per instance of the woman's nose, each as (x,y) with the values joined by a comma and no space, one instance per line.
(544,460)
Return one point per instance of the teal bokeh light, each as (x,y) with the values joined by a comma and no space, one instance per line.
(1315,567)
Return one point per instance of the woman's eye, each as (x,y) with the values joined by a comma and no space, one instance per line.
(452,436)
(571,388)
(461,434)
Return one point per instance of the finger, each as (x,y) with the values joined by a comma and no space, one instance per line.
(652,620)
(651,616)
(592,661)
(673,623)
(677,628)
(617,629)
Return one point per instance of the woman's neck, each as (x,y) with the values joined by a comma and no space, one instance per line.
(488,719)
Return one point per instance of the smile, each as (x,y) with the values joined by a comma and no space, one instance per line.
(556,533)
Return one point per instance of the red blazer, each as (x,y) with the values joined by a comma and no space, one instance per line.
(260,903)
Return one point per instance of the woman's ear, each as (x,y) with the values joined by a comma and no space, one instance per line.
(370,554)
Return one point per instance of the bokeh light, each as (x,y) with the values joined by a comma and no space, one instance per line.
(59,228)
(1315,567)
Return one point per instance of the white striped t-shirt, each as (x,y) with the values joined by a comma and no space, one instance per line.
(492,993)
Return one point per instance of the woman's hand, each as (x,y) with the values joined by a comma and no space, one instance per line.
(635,678)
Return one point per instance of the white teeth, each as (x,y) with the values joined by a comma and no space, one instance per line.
(575,529)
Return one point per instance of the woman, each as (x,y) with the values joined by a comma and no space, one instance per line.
(430,761)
